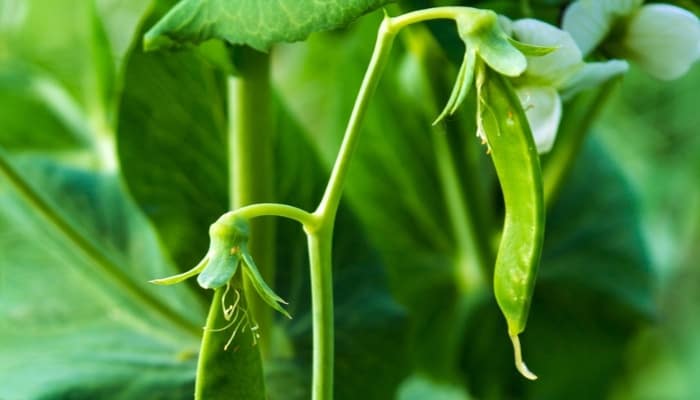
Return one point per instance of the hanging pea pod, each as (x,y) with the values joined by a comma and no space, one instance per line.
(503,125)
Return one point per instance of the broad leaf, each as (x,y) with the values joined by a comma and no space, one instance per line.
(76,53)
(57,124)
(77,314)
(172,147)
(258,24)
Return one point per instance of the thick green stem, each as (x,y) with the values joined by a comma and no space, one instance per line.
(578,118)
(251,180)
(320,243)
(251,160)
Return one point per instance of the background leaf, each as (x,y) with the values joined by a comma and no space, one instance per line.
(253,23)
(68,326)
(172,146)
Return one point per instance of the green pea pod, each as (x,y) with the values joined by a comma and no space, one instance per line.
(502,123)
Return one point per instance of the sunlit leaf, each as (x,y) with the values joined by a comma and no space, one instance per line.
(251,22)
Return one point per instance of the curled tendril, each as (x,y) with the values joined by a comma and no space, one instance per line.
(236,315)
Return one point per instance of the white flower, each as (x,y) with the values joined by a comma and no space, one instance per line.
(662,39)
(549,78)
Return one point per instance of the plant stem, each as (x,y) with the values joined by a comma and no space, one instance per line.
(251,161)
(90,249)
(320,238)
(430,14)
(380,56)
(308,220)
(320,248)
(224,374)
(578,119)
(385,38)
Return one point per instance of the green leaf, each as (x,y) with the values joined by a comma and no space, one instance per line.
(57,125)
(418,387)
(251,22)
(172,147)
(76,53)
(78,317)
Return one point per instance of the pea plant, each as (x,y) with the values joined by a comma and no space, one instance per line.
(244,143)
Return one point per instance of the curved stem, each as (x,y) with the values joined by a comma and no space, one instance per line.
(388,30)
(380,56)
(429,14)
(308,220)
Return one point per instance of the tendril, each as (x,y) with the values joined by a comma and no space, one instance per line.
(236,315)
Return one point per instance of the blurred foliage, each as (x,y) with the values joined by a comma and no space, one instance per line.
(615,309)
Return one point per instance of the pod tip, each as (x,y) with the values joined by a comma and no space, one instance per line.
(519,363)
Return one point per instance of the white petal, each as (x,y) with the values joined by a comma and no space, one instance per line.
(593,74)
(663,40)
(554,68)
(589,21)
(506,24)
(542,107)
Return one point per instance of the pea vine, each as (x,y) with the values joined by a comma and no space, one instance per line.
(501,63)
(489,53)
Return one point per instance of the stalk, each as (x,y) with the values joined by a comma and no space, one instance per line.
(238,374)
(320,249)
(251,173)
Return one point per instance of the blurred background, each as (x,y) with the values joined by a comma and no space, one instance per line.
(616,315)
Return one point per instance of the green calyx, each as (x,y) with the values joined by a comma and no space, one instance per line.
(228,249)
(482,32)
(484,38)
